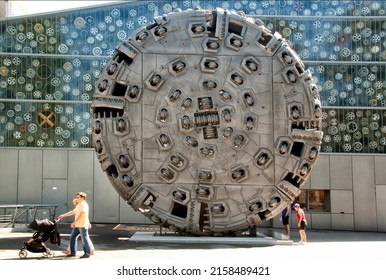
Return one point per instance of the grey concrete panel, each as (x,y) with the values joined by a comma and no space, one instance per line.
(320,177)
(8,175)
(380,174)
(342,221)
(80,176)
(55,193)
(364,194)
(307,184)
(341,202)
(55,164)
(30,174)
(320,221)
(381,207)
(106,199)
(129,216)
(341,171)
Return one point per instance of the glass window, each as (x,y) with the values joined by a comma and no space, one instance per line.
(314,200)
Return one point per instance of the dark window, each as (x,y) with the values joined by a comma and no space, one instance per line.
(314,200)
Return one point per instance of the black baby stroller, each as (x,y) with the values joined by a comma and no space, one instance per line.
(45,229)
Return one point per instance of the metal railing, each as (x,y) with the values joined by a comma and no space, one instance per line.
(23,214)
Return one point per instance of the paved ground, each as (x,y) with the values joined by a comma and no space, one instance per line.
(328,254)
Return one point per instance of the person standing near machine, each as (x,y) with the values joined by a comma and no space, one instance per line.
(285,216)
(302,224)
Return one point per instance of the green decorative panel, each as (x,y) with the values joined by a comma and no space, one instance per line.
(45,124)
(49,64)
(355,130)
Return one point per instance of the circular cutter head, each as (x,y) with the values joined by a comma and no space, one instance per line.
(207,122)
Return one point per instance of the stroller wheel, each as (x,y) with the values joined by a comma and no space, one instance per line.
(23,254)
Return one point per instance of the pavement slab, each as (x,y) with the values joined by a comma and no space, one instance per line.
(327,255)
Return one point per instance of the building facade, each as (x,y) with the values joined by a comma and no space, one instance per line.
(50,64)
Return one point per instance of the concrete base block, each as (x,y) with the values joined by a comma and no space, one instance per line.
(260,240)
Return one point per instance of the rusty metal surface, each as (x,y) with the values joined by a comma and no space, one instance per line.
(206,122)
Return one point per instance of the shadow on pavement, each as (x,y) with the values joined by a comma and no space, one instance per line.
(108,237)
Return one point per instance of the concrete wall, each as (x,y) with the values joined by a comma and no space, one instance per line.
(357,185)
(25,173)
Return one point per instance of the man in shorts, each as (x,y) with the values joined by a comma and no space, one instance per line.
(285,216)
